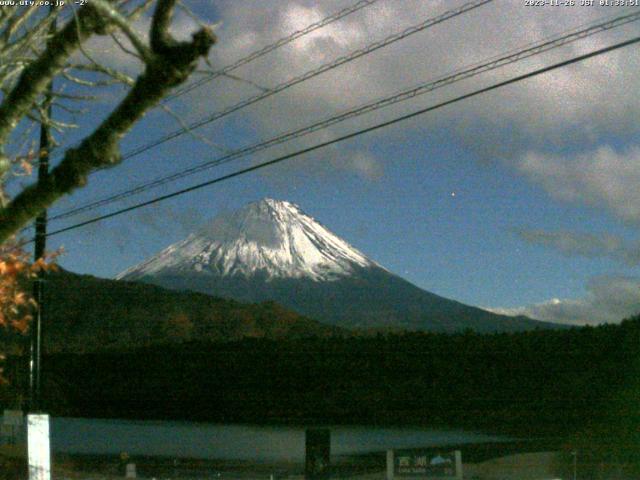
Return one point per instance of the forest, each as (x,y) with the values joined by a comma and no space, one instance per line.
(576,387)
(549,381)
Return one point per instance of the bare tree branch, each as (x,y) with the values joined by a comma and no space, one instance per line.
(16,21)
(190,131)
(123,24)
(74,96)
(170,64)
(124,47)
(102,69)
(160,38)
(139,10)
(37,75)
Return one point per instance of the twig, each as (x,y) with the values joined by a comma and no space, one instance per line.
(171,64)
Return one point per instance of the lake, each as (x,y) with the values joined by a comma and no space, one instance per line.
(235,442)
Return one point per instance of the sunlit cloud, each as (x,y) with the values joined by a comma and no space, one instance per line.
(605,178)
(609,299)
(552,104)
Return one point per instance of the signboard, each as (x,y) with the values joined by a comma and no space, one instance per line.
(38,447)
(130,470)
(423,464)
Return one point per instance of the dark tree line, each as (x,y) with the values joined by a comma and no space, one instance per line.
(579,385)
(549,381)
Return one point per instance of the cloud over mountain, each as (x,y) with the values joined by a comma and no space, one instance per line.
(609,299)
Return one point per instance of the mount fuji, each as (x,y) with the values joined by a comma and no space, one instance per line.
(272,250)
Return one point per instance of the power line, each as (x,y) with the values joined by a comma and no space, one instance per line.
(309,75)
(379,126)
(273,46)
(459,75)
(224,71)
(468,72)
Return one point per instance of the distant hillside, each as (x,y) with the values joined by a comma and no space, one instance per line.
(369,299)
(85,313)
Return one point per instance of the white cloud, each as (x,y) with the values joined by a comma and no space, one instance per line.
(364,164)
(597,96)
(609,299)
(577,105)
(603,177)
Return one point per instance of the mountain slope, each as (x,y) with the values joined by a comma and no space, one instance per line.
(86,314)
(271,250)
(267,238)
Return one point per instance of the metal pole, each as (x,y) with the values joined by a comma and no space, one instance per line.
(35,367)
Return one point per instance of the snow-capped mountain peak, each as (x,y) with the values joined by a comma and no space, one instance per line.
(271,251)
(269,237)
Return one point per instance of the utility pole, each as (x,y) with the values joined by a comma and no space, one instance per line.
(35,364)
(35,361)
(38,437)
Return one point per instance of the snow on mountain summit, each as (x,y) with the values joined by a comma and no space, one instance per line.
(268,237)
(271,251)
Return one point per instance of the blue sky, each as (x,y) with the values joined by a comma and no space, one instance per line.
(523,200)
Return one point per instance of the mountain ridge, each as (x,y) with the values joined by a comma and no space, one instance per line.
(272,250)
(270,236)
